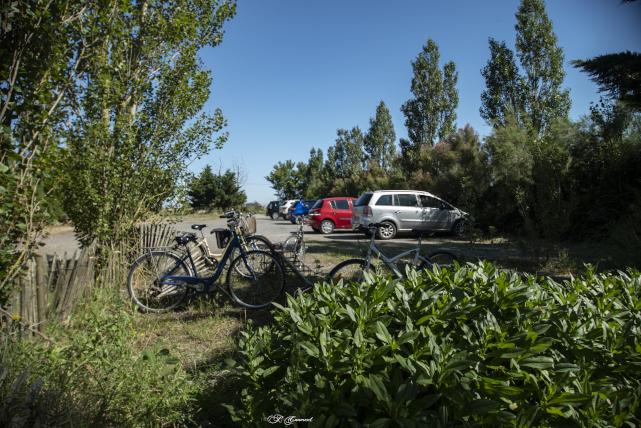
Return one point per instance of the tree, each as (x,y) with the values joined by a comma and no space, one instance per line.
(283,180)
(619,74)
(380,141)
(348,149)
(511,164)
(315,183)
(137,117)
(542,62)
(202,190)
(502,97)
(40,58)
(229,193)
(533,98)
(222,191)
(431,114)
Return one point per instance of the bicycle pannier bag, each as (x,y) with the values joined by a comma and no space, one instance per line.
(222,237)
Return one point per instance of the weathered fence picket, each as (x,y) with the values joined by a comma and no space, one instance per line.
(51,285)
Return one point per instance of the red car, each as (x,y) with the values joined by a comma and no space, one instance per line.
(328,214)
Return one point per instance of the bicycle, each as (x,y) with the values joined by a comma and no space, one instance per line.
(207,261)
(159,280)
(353,269)
(294,247)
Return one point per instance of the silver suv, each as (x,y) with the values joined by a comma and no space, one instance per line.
(404,210)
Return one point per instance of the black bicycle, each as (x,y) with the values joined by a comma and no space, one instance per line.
(159,280)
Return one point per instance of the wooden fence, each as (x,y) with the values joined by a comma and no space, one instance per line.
(51,284)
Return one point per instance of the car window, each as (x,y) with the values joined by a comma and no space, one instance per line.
(385,200)
(318,204)
(407,200)
(430,202)
(341,204)
(363,200)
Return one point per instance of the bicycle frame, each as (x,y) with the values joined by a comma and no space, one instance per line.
(390,262)
(208,281)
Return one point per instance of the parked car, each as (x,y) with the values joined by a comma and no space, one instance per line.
(300,207)
(404,210)
(329,214)
(272,209)
(284,208)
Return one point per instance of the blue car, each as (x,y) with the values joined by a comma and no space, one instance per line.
(300,207)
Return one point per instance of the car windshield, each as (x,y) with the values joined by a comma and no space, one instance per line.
(363,200)
(318,204)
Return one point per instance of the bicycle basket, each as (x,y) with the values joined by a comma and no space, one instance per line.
(222,237)
(248,225)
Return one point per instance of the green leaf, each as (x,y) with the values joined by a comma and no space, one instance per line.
(482,407)
(374,383)
(570,399)
(382,333)
(310,348)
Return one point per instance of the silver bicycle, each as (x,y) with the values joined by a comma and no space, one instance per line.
(376,261)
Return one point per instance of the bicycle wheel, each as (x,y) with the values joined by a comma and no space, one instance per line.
(144,281)
(256,280)
(348,270)
(294,249)
(254,243)
(442,259)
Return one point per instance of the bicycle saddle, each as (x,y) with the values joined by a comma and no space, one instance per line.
(198,226)
(185,238)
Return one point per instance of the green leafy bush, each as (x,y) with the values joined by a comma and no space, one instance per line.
(475,346)
(92,375)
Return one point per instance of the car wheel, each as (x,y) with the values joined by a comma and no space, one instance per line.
(274,216)
(327,227)
(459,228)
(387,231)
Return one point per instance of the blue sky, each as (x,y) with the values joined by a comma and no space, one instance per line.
(289,73)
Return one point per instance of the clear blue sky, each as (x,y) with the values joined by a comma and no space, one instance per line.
(289,73)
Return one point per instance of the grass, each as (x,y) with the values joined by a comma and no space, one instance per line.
(202,337)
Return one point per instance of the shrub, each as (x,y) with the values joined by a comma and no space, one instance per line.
(92,375)
(475,346)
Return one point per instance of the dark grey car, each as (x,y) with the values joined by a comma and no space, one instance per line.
(404,210)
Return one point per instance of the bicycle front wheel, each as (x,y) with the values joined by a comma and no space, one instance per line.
(442,259)
(255,280)
(145,281)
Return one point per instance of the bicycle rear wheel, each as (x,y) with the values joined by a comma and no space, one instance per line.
(294,250)
(255,280)
(145,286)
(442,259)
(353,270)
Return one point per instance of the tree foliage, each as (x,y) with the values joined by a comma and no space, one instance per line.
(431,114)
(136,120)
(39,61)
(542,63)
(619,74)
(533,96)
(502,97)
(380,140)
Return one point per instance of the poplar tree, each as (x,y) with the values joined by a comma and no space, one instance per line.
(431,113)
(380,141)
(137,113)
(533,96)
(502,97)
(542,62)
